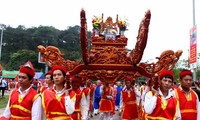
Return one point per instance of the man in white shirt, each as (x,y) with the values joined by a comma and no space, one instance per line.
(161,103)
(3,85)
(24,103)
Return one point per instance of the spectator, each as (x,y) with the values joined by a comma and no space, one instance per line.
(195,88)
(3,85)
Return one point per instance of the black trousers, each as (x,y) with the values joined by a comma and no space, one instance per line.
(3,90)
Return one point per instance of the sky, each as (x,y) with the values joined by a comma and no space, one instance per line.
(171,20)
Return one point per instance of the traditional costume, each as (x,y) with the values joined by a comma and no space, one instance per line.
(58,105)
(106,104)
(157,106)
(86,91)
(128,102)
(24,105)
(81,105)
(42,88)
(189,102)
(91,101)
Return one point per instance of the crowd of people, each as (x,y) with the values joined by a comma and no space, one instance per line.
(67,97)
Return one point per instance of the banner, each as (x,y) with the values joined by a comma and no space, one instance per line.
(193,46)
(9,74)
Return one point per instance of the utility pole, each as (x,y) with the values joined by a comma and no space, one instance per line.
(2,29)
(195,64)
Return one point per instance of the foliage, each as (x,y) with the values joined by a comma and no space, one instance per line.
(20,44)
(22,56)
(4,101)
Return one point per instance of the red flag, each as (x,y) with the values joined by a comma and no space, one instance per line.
(29,64)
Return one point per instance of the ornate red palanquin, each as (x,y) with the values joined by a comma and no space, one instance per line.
(108,58)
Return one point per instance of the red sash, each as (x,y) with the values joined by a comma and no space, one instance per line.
(129,105)
(91,97)
(106,105)
(20,108)
(54,105)
(164,111)
(188,105)
(77,113)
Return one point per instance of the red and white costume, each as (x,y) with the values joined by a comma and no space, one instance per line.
(86,92)
(160,107)
(24,105)
(80,106)
(189,104)
(128,104)
(106,104)
(58,106)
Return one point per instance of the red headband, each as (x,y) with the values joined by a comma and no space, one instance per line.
(59,67)
(184,73)
(28,71)
(166,72)
(76,79)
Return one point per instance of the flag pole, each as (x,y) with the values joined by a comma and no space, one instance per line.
(194,23)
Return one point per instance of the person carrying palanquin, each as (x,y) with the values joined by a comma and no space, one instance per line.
(106,106)
(48,82)
(81,107)
(58,103)
(188,99)
(86,90)
(128,103)
(91,101)
(161,104)
(24,103)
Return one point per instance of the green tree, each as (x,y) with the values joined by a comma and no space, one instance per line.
(22,56)
(17,40)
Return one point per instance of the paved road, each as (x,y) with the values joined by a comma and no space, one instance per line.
(115,117)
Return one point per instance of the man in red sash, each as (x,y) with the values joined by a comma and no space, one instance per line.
(86,90)
(161,104)
(48,82)
(80,104)
(58,103)
(24,102)
(91,87)
(128,106)
(188,99)
(106,104)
